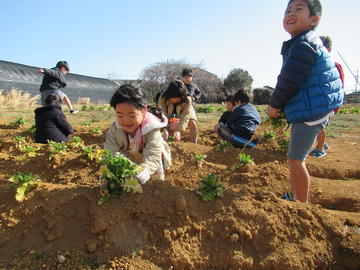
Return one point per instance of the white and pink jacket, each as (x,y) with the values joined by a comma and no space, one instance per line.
(147,148)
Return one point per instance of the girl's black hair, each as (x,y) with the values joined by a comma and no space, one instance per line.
(53,99)
(314,7)
(242,96)
(187,72)
(176,89)
(230,99)
(128,93)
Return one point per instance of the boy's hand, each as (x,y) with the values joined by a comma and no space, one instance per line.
(273,112)
(165,134)
(177,136)
(40,71)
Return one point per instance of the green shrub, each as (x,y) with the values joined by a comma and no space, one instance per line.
(210,188)
(23,183)
(223,146)
(119,174)
(19,122)
(243,160)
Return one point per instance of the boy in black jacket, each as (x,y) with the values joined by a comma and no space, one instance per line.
(54,81)
(230,105)
(193,89)
(242,122)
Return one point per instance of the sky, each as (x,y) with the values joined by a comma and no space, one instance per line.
(120,38)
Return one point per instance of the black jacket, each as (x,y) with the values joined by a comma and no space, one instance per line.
(51,124)
(194,91)
(224,117)
(244,120)
(53,79)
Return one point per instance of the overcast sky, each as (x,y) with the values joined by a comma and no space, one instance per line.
(122,37)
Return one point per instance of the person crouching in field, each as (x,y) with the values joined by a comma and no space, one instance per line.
(177,100)
(136,133)
(308,89)
(241,123)
(230,105)
(50,121)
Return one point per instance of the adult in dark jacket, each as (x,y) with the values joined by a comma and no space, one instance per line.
(50,121)
(242,122)
(193,89)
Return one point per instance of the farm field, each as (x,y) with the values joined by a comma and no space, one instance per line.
(59,224)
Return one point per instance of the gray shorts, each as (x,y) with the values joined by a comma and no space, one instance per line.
(44,95)
(302,139)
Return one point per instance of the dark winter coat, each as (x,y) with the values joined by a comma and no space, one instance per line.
(51,124)
(53,79)
(243,121)
(309,85)
(224,117)
(194,91)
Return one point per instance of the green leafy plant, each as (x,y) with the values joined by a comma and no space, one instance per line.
(56,148)
(243,160)
(221,109)
(23,183)
(205,109)
(223,146)
(97,130)
(86,124)
(76,142)
(284,144)
(28,151)
(119,176)
(170,140)
(32,129)
(19,141)
(199,158)
(210,188)
(94,154)
(269,134)
(19,122)
(276,123)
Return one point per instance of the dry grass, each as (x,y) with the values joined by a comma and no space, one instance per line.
(83,101)
(17,99)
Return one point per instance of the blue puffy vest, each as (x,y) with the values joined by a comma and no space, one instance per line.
(320,93)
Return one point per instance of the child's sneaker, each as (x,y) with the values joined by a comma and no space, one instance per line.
(74,111)
(317,153)
(326,147)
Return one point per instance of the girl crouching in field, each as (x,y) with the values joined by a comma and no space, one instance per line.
(136,133)
(177,100)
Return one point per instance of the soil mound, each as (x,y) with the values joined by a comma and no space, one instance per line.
(60,225)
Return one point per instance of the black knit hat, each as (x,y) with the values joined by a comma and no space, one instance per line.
(63,64)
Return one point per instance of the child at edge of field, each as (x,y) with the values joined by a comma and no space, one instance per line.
(51,123)
(54,81)
(308,89)
(230,105)
(241,123)
(321,147)
(136,133)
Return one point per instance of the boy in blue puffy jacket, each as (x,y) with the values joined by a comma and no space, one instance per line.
(308,89)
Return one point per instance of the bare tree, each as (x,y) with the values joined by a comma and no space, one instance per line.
(156,78)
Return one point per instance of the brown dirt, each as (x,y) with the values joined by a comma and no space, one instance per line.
(168,226)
